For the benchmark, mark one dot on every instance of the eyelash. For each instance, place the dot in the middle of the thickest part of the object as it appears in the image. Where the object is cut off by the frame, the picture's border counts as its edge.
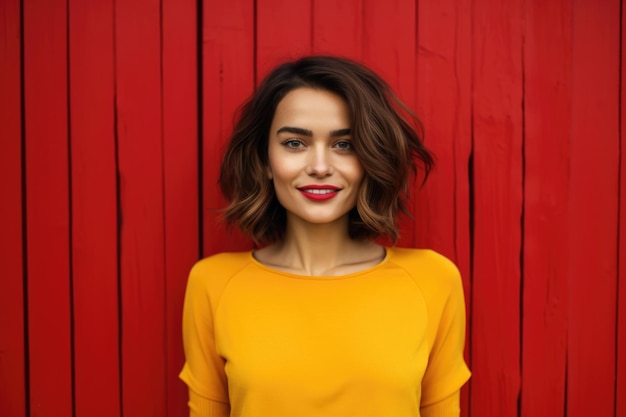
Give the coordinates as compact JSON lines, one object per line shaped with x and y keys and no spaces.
{"x":290,"y":144}
{"x":350,"y":147}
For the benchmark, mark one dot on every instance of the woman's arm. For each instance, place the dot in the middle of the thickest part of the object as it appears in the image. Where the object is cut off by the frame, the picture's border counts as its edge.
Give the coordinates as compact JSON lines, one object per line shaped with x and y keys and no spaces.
{"x":204,"y":368}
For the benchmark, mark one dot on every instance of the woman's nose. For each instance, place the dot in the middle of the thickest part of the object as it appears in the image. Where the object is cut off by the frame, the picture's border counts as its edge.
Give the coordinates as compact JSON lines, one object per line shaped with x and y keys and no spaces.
{"x":320,"y":164}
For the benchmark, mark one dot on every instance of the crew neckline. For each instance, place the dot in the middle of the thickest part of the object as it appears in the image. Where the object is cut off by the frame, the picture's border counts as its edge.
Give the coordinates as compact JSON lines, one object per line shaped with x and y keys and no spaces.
{"x":365,"y":271}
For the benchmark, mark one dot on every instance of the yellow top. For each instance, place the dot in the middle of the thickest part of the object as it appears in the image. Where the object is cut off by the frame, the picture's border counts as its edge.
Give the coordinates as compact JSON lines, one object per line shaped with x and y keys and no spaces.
{"x":386,"y":341}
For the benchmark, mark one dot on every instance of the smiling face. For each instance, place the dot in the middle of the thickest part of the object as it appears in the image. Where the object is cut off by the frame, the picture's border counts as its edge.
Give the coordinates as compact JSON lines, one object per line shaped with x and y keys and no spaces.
{"x":312,"y":163}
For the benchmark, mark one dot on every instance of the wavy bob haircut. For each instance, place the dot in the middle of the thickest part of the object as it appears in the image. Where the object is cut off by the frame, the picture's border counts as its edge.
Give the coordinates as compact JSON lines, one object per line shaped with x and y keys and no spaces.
{"x":389,"y":148}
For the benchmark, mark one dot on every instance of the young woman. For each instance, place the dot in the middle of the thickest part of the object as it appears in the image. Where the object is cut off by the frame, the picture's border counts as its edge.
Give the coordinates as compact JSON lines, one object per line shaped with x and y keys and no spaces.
{"x":321,"y":320}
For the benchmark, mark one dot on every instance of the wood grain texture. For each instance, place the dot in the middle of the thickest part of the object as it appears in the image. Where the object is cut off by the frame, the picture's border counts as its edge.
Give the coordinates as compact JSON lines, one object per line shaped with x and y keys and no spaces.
{"x":497,"y":210}
{"x":443,"y":77}
{"x":12,"y":358}
{"x":108,"y":185}
{"x":283,"y":32}
{"x":94,"y":209}
{"x":437,"y":98}
{"x":593,"y":209}
{"x":180,"y":165}
{"x":620,"y":386}
{"x":47,"y":208}
{"x":547,"y":117}
{"x":389,"y":50}
{"x":140,"y":170}
{"x":227,"y":80}
{"x":337,"y":28}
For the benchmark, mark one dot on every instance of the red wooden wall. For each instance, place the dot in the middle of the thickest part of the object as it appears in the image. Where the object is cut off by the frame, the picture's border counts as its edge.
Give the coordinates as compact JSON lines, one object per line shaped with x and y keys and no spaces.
{"x":112,"y":118}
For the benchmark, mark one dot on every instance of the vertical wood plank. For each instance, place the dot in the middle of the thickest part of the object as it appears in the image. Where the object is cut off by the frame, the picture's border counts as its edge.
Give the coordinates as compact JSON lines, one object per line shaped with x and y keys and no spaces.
{"x":140,"y":156}
{"x":620,"y":393}
{"x":283,"y":32}
{"x":228,"y":79}
{"x":389,"y":44}
{"x":47,"y":210}
{"x":180,"y":133}
{"x":389,"y":49}
{"x":444,"y":106}
{"x":497,"y":191}
{"x":337,"y":28}
{"x":12,"y":365}
{"x":547,"y":69}
{"x":593,"y":208}
{"x":442,"y":85}
{"x":94,"y":209}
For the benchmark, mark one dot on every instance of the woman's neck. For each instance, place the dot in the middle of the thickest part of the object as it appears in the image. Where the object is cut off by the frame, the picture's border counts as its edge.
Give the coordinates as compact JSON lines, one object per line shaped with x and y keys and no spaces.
{"x":320,"y":249}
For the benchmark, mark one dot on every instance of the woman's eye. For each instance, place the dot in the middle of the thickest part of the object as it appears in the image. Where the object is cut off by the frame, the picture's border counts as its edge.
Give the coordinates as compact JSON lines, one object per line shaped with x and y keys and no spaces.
{"x":344,"y":145}
{"x":293,"y":144}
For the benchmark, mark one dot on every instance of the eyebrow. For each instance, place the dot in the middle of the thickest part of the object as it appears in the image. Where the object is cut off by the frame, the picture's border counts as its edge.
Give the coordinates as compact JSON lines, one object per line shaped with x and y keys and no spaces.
{"x":307,"y":132}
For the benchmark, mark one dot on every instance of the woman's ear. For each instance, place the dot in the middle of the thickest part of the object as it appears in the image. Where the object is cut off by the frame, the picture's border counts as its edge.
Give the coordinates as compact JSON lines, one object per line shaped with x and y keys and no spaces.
{"x":268,"y":170}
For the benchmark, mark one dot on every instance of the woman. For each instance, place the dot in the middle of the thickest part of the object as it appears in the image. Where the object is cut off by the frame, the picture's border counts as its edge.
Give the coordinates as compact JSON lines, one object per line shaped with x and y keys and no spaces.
{"x":322,"y":320}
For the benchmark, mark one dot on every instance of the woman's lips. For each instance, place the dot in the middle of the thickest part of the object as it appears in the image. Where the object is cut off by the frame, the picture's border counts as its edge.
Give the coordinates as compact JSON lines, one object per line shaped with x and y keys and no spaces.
{"x":319,"y":192}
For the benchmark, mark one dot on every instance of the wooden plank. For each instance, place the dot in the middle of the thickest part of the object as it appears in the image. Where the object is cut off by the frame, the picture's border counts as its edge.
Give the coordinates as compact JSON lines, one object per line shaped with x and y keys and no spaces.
{"x":444,"y":106}
{"x":140,"y":170}
{"x":389,"y":44}
{"x":181,"y":147}
{"x":547,"y":116}
{"x":94,"y":209}
{"x":337,"y":28}
{"x":389,"y":49}
{"x":283,"y":32}
{"x":593,"y":208}
{"x":47,"y":208}
{"x":497,"y":192}
{"x":443,"y":86}
{"x":12,"y":365}
{"x":620,"y":393}
{"x":228,"y":79}
{"x":462,"y":153}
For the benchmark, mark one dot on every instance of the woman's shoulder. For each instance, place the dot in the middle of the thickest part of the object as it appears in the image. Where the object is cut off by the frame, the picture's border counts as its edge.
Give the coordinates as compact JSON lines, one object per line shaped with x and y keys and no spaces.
{"x":218,"y":269}
{"x":223,"y":261}
{"x":426,"y":266}
{"x":422,"y":258}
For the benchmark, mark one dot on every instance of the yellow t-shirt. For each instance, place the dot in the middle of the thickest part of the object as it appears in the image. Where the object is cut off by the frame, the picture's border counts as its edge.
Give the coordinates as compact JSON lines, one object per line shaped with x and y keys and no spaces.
{"x":383,"y":342}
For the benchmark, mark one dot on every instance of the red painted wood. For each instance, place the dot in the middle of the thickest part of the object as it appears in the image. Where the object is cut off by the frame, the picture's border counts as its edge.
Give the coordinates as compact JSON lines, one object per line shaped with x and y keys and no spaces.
{"x":12,"y":367}
{"x":228,"y":79}
{"x":438,"y":93}
{"x":593,"y":209}
{"x":548,"y":85}
{"x":389,"y":49}
{"x":94,"y":209}
{"x":462,"y":134}
{"x":497,"y":188}
{"x":572,"y":166}
{"x":47,"y":208}
{"x":620,"y":393}
{"x":337,"y":28}
{"x":283,"y":32}
{"x":180,"y":144}
{"x":443,"y":105}
{"x":140,"y":156}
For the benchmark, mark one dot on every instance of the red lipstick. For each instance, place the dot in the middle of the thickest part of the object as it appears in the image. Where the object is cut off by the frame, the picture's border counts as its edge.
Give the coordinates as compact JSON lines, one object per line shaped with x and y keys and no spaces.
{"x":317,"y":192}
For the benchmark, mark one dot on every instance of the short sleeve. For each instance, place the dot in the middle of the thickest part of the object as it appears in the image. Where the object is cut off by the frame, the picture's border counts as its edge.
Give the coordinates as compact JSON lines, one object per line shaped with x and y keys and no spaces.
{"x":446,"y":371}
{"x":203,"y":371}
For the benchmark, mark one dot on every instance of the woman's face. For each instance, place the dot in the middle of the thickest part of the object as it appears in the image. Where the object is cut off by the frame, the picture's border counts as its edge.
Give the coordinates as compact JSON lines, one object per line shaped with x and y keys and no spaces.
{"x":312,"y":163}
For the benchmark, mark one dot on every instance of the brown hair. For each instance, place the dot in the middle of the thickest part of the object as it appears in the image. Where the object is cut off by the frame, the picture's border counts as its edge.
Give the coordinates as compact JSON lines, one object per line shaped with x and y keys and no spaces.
{"x":388,"y":147}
